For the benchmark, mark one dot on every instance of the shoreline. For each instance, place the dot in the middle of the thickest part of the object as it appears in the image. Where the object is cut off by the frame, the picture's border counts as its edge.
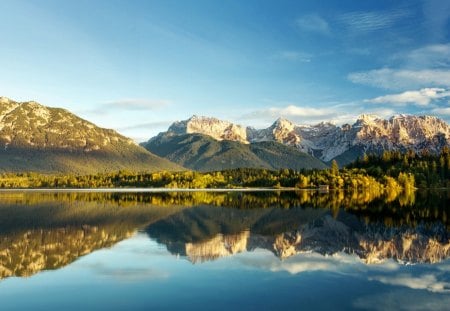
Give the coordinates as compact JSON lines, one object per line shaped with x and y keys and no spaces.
{"x":155,"y":190}
{"x":161,"y":190}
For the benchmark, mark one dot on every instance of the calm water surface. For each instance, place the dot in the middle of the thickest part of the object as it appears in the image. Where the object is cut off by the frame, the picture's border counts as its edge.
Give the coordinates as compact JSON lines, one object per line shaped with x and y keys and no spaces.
{"x":213,"y":251}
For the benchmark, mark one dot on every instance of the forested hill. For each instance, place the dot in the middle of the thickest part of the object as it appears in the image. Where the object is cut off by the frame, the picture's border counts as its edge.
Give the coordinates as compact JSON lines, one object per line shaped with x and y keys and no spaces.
{"x":204,"y":153}
{"x":429,"y":170}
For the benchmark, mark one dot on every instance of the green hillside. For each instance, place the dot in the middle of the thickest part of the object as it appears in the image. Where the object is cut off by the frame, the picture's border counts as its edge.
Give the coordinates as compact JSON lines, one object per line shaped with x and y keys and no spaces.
{"x":203,"y":153}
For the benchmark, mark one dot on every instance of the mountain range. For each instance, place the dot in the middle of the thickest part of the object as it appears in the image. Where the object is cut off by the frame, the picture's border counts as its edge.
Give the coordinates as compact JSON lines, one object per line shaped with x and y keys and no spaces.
{"x":37,"y":138}
{"x":324,"y":141}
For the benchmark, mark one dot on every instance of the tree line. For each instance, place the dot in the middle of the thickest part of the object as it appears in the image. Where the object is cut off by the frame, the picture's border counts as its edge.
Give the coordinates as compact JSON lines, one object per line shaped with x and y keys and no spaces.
{"x":355,"y":178}
{"x":429,"y":170}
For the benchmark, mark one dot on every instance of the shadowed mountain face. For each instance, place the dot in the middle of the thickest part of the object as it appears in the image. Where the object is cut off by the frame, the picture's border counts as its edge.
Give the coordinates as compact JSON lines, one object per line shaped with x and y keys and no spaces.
{"x":34,"y":137}
{"x":203,"y":153}
{"x":49,"y":230}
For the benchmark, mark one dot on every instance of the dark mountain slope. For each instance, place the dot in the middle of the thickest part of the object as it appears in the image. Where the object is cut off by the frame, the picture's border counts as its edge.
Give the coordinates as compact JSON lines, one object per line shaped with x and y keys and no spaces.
{"x":203,"y":153}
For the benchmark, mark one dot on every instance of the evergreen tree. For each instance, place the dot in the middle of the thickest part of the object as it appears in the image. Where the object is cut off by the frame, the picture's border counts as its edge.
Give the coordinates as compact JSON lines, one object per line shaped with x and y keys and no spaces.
{"x":334,"y":168}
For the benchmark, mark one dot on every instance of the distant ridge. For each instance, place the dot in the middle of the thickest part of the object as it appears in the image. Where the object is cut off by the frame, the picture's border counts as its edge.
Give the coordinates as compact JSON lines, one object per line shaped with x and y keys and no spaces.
{"x":37,"y":138}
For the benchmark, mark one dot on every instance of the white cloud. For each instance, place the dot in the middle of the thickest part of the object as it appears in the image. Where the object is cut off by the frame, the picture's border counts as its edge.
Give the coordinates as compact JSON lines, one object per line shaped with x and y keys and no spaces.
{"x":427,"y":282}
{"x":338,"y":114}
{"x":382,"y":112}
{"x":340,"y":263}
{"x":313,"y":23}
{"x":421,"y":97}
{"x":136,"y":104}
{"x":297,"y":111}
{"x":388,"y":78}
{"x":371,"y":21}
{"x":315,"y":262}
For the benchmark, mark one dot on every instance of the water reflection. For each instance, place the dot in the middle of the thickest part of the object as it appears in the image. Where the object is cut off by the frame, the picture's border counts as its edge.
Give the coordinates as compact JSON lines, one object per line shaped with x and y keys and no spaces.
{"x":42,"y":231}
{"x":203,"y":234}
{"x":46,"y":230}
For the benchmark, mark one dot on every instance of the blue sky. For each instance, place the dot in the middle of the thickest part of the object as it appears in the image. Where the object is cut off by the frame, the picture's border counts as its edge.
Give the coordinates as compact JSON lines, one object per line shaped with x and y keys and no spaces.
{"x":137,"y":66}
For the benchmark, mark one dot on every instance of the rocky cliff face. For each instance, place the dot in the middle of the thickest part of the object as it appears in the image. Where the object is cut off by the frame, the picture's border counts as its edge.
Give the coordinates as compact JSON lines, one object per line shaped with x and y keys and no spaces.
{"x":327,"y":141}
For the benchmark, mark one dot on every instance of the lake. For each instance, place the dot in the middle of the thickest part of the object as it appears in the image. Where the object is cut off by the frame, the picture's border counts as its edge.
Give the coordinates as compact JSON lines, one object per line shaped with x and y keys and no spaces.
{"x":269,"y":250}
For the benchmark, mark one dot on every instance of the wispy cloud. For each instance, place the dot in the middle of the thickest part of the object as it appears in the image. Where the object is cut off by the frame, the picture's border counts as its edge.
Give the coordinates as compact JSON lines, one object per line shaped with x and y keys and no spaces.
{"x":445,"y":111}
{"x":129,"y":274}
{"x":294,"y":56}
{"x":291,"y":112}
{"x":421,"y":97}
{"x":130,"y":105}
{"x":359,"y":51}
{"x":146,"y":126}
{"x":371,"y":21}
{"x":437,"y":15}
{"x":136,"y":104}
{"x":424,"y":67}
{"x":313,"y":23}
{"x":403,"y":300}
{"x":430,"y":56}
{"x":395,"y":79}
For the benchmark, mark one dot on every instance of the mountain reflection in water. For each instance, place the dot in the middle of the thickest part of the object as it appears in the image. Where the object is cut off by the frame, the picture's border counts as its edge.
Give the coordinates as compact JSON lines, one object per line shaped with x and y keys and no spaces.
{"x":48,"y":230}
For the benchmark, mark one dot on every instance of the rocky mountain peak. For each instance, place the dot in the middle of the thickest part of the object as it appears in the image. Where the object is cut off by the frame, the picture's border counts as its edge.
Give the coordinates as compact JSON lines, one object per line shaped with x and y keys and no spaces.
{"x":283,"y":131}
{"x":217,"y":129}
{"x":282,"y":122}
{"x":367,"y":118}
